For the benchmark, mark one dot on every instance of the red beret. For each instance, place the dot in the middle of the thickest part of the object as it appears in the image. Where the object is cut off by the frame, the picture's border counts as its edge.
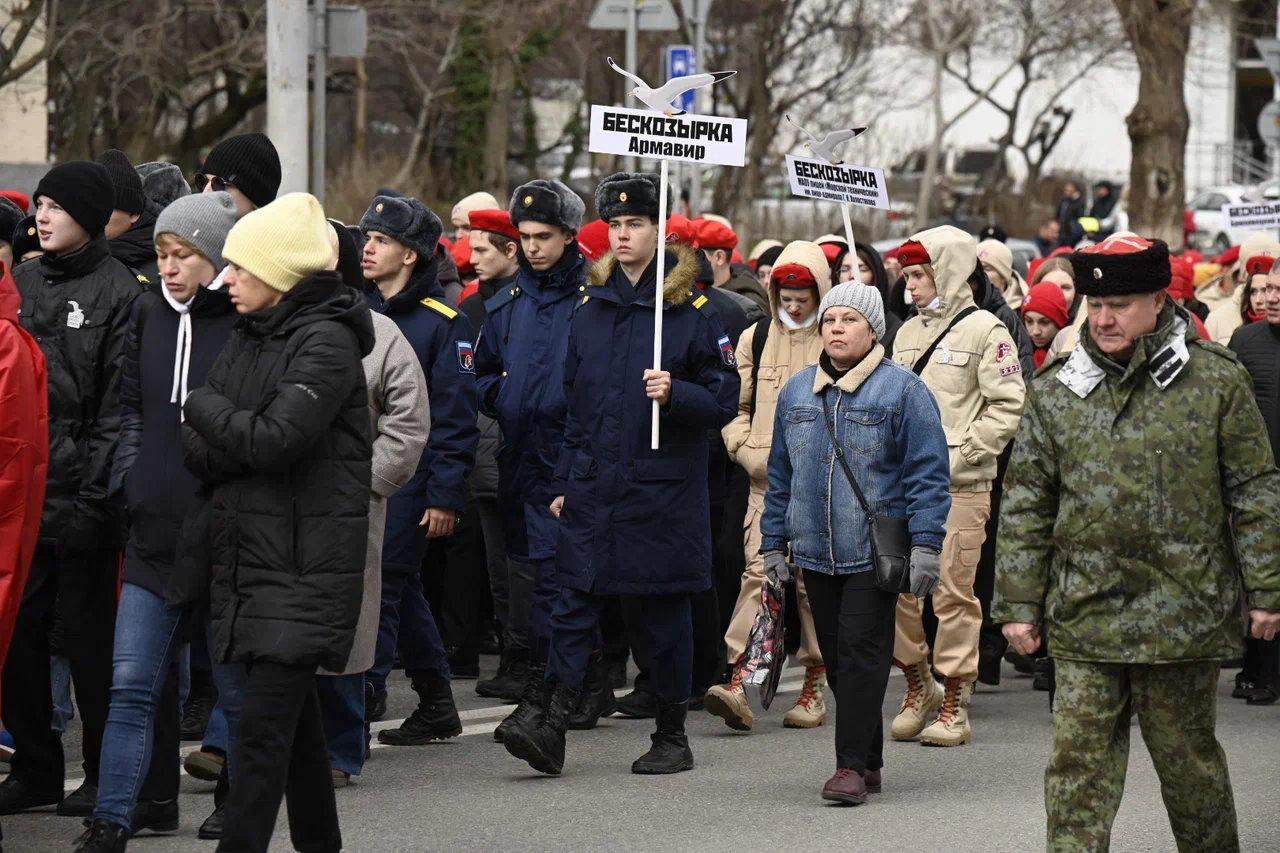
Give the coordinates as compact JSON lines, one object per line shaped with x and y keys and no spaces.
{"x":714,"y":235}
{"x":497,"y":221}
{"x":1061,"y":250}
{"x":736,"y":257}
{"x":893,"y":253}
{"x":1182,"y":278}
{"x":1229,"y":257}
{"x":1191,"y":256}
{"x":1260,"y":265}
{"x":593,"y":239}
{"x":680,"y":230}
{"x":831,"y":251}
{"x":911,"y":253}
{"x":446,"y":243}
{"x":793,"y":275}
{"x":461,"y":253}
{"x":22,"y":200}
{"x":1047,"y":298}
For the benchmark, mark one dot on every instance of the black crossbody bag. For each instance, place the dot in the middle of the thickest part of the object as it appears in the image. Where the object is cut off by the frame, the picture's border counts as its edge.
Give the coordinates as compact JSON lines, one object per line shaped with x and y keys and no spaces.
{"x":890,"y":537}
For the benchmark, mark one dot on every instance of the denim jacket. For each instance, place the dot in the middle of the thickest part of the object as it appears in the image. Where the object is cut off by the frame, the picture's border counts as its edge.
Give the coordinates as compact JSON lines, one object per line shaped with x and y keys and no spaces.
{"x":889,"y":425}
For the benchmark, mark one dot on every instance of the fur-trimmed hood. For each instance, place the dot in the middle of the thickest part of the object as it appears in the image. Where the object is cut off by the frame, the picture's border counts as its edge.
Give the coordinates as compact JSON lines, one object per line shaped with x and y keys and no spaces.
{"x":680,"y":275}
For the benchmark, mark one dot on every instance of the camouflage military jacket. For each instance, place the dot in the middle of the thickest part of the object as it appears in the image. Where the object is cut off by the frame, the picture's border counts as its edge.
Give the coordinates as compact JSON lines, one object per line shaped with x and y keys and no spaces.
{"x":1119,"y":504}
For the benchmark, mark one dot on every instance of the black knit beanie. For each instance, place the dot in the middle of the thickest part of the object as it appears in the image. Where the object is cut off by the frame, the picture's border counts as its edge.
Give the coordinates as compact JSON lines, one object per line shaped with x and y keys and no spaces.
{"x":84,"y":190}
{"x":124,"y":178}
{"x":250,"y":162}
{"x":348,"y":257}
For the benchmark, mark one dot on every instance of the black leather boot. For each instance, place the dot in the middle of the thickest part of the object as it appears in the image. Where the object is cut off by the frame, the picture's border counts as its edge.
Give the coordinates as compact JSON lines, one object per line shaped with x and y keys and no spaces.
{"x":597,"y":699}
{"x":543,"y":745}
{"x":670,"y":752}
{"x":533,"y":703}
{"x":103,"y":836}
{"x":508,"y":683}
{"x":436,"y":717}
{"x":155,"y":815}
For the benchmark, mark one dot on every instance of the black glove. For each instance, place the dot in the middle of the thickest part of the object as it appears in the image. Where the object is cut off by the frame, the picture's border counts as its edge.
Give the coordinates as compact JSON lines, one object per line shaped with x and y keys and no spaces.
{"x":776,"y":569}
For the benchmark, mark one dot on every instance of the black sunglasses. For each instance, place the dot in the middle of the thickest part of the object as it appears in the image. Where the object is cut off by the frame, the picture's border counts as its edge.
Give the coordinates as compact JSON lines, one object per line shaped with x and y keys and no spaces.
{"x":219,"y":185}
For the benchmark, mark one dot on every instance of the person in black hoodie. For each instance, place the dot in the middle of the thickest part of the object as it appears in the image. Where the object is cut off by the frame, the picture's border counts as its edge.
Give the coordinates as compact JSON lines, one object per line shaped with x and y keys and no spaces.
{"x":281,"y":433}
{"x":75,"y":302}
{"x":158,"y":492}
{"x":130,"y":231}
{"x":1257,"y":345}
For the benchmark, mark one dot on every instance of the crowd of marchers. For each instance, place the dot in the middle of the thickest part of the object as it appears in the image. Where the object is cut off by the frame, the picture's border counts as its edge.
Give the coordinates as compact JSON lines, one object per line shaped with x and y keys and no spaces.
{"x":253,"y":459}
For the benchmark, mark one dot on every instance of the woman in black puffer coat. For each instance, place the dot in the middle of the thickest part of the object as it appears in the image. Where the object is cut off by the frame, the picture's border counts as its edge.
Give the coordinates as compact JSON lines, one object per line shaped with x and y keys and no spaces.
{"x":281,"y":431}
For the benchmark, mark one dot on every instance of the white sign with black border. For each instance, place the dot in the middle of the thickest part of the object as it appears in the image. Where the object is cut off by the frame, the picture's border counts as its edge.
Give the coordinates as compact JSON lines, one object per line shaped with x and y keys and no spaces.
{"x":646,"y":133}
{"x":860,"y":185}
{"x":1250,"y":216}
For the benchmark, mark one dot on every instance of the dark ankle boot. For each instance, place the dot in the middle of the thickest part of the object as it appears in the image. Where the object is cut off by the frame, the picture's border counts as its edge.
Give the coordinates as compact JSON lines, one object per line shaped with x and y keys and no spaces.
{"x":597,"y":699}
{"x":103,"y":836}
{"x":436,"y":717}
{"x":543,"y":745}
{"x":508,"y":683}
{"x":670,"y":752}
{"x":533,"y":703}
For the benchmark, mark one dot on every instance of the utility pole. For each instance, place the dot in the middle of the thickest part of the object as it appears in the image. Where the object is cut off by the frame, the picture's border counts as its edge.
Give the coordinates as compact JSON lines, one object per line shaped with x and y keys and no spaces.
{"x":319,"y":93}
{"x":633,"y":25}
{"x":700,"y":9}
{"x":287,"y":45}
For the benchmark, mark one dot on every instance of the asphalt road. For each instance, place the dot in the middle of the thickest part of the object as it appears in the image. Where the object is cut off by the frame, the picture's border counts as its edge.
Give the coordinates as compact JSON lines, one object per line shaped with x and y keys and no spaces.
{"x":750,"y":791}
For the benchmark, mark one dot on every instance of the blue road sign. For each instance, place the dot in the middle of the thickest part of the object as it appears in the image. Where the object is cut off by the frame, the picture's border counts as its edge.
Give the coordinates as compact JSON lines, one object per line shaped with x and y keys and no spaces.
{"x":681,"y":62}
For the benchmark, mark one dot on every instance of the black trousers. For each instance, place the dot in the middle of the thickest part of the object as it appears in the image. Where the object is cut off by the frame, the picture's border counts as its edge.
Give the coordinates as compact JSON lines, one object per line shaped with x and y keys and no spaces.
{"x":87,"y":587}
{"x":283,"y":755}
{"x":708,"y":640}
{"x":854,"y":622}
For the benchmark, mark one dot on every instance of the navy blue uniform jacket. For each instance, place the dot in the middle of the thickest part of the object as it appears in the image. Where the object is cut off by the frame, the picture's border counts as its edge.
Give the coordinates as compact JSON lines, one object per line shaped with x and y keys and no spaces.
{"x":441,"y":336}
{"x":520,"y":372}
{"x":636,"y":520}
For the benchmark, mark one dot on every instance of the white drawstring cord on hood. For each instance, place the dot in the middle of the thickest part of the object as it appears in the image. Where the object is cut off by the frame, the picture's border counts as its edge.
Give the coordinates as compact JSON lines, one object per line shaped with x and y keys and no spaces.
{"x":182,"y":351}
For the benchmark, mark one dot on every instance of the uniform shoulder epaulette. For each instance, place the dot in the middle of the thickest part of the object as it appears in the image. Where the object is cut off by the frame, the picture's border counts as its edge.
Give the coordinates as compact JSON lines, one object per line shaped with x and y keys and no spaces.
{"x":502,"y":297}
{"x":440,"y":308}
{"x":1217,"y":349}
{"x":704,"y":306}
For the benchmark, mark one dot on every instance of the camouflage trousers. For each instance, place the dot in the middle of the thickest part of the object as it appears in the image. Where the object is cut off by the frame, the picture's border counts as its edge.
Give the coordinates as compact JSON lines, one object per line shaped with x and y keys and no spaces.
{"x":1177,"y":712}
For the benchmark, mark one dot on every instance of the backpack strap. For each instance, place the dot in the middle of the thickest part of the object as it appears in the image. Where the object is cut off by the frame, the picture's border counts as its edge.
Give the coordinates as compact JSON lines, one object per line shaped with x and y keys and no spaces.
{"x":758,"y":341}
{"x":923,"y":361}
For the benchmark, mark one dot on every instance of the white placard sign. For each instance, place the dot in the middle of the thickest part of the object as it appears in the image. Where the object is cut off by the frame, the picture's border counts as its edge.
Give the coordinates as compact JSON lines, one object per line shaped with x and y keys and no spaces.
{"x":1250,"y":215}
{"x":860,"y":185}
{"x":646,"y":133}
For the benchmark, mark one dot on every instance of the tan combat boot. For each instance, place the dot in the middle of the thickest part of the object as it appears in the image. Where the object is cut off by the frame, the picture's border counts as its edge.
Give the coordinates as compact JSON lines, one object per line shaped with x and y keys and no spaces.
{"x":923,"y":698}
{"x":810,"y":711}
{"x":952,"y":726}
{"x":729,"y":702}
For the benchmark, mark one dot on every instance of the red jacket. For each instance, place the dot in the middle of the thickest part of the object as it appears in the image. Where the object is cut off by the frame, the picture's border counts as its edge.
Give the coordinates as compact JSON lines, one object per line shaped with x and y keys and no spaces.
{"x":24,"y":454}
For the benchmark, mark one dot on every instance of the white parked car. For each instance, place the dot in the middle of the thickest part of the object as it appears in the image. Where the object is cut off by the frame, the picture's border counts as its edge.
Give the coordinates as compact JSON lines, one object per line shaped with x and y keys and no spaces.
{"x":1212,"y":235}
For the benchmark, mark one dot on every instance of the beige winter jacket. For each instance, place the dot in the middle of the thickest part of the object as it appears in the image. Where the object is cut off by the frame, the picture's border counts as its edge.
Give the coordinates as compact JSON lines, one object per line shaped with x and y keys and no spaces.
{"x":401,"y":417}
{"x":786,"y":353}
{"x":974,"y":372}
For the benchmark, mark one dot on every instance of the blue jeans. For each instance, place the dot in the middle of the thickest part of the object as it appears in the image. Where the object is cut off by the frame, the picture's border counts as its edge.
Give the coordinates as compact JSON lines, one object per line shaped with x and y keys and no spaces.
{"x":406,"y":616}
{"x":342,"y":712}
{"x":144,"y":647}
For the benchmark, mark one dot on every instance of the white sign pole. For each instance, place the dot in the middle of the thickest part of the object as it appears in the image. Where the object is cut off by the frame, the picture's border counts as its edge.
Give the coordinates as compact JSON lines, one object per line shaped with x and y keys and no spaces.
{"x":659,"y":289}
{"x":848,"y":232}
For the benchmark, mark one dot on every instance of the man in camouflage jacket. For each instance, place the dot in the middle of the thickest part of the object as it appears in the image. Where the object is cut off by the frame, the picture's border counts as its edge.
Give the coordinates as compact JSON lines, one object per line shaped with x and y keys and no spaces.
{"x":1117,"y":541}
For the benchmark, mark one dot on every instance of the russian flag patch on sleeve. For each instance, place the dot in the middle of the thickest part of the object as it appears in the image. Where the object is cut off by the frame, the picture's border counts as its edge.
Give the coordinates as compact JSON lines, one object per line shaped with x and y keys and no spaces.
{"x":466,"y":358}
{"x":726,"y":352}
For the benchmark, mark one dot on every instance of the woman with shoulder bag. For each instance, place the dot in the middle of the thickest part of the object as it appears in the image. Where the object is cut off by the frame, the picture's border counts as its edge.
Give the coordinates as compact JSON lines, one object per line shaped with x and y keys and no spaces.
{"x":858,"y":479}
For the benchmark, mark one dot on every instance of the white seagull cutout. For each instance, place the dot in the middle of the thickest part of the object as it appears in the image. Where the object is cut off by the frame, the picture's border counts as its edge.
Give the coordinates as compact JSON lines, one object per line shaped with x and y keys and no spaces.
{"x":662,"y":99}
{"x":825,"y":148}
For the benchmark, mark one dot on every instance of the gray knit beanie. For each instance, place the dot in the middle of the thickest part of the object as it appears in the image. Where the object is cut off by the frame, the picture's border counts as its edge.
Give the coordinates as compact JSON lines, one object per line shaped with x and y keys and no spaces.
{"x":862,"y":298}
{"x":162,"y":184}
{"x":203,"y":220}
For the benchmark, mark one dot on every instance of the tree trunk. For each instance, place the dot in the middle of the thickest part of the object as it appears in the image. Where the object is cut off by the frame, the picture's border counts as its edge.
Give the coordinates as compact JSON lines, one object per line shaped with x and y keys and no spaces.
{"x":761,"y":127}
{"x":361,"y":143}
{"x":502,"y":89}
{"x":1159,"y":32}
{"x":925,"y":196}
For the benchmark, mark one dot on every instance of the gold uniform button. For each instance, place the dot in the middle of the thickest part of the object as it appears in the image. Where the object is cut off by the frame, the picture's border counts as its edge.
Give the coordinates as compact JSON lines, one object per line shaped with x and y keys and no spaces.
{"x":622,"y":196}
{"x":528,"y":200}
{"x":582,"y":288}
{"x":504,"y":373}
{"x":31,"y":232}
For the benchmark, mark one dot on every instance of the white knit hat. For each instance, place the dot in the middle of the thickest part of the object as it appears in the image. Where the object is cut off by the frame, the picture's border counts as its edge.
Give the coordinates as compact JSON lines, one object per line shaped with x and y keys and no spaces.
{"x":861,"y":298}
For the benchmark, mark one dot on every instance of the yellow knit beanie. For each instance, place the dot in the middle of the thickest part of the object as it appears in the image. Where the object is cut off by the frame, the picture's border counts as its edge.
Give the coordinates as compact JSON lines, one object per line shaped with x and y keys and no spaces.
{"x":282,"y":243}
